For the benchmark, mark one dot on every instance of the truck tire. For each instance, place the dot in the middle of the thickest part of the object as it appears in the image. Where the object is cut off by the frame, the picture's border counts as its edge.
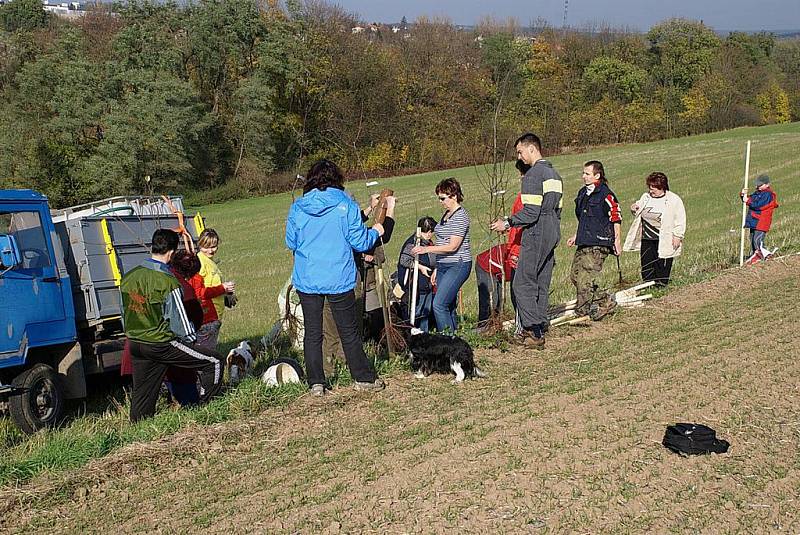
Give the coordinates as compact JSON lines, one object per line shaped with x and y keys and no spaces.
{"x":41,"y":403}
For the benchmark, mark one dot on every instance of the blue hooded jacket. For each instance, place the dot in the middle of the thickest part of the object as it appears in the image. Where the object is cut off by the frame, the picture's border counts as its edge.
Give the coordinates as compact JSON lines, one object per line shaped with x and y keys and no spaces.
{"x":322,"y":230}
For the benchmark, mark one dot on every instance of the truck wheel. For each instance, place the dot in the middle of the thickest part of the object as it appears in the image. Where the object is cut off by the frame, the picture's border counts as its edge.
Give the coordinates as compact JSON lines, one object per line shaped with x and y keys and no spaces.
{"x":41,"y":404}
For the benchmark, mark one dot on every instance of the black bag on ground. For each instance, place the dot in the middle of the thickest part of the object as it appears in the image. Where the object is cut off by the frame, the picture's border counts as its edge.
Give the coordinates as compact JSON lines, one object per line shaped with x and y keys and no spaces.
{"x":693,"y":439}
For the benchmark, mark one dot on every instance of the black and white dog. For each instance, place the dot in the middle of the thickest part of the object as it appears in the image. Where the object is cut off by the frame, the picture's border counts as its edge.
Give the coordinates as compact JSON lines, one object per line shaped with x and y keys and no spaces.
{"x":438,"y":353}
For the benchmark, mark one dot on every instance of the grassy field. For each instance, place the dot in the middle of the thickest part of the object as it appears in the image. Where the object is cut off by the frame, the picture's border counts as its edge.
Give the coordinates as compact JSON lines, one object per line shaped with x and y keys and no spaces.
{"x":706,"y":171}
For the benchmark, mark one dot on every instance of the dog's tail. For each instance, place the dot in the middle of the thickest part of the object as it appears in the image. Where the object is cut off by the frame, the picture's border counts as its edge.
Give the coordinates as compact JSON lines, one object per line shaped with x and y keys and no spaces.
{"x":480,"y":373}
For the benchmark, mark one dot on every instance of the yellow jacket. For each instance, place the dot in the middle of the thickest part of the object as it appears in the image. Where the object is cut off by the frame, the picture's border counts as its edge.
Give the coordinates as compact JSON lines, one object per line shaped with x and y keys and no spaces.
{"x":212,"y":276}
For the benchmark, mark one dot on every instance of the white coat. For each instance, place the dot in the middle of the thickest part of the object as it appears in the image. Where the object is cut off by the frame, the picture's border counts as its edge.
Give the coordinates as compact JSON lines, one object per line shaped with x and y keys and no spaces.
{"x":673,"y":224}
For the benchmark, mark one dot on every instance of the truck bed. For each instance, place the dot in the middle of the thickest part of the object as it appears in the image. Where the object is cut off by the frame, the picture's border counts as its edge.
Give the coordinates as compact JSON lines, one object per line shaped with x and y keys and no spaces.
{"x":103,"y":241}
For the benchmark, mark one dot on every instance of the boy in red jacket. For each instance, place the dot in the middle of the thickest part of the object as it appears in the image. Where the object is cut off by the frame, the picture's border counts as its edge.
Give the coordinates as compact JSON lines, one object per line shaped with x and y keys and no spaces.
{"x":761,"y":203}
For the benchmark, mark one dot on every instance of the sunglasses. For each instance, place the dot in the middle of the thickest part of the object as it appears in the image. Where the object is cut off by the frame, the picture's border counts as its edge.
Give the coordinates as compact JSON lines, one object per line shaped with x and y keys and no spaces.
{"x":442,"y":197}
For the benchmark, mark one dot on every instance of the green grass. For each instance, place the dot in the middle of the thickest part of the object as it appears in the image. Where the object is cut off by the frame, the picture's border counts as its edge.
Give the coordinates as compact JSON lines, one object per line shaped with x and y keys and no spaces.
{"x":706,"y":171}
{"x":91,"y":437}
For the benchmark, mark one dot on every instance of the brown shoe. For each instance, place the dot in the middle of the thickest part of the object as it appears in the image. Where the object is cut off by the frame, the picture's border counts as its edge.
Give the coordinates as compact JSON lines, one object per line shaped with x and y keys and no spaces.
{"x":601,"y":311}
{"x":526,"y":339}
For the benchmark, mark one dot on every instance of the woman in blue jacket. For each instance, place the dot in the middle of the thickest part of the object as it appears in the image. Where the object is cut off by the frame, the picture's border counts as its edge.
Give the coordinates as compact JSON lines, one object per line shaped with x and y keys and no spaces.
{"x":323,"y":229}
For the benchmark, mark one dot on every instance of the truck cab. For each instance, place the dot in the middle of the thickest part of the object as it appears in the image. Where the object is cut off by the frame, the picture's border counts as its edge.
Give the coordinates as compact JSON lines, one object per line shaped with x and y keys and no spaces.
{"x":34,"y":286}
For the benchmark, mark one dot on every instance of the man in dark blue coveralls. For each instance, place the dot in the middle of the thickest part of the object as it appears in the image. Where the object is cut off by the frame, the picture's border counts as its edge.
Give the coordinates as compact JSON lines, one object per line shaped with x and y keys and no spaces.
{"x":540,"y":219}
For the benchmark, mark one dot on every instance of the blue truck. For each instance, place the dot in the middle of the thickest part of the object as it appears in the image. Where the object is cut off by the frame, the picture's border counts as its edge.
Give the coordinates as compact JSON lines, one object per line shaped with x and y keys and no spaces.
{"x":60,"y":307}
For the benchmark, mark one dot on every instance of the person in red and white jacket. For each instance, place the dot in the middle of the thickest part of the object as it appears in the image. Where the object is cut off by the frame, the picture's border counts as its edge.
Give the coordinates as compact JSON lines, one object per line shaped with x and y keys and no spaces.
{"x":488,"y":264}
{"x":761,"y":204}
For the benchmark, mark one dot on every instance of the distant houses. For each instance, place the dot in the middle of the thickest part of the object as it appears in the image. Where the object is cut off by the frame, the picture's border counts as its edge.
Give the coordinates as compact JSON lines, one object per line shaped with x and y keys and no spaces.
{"x":376,"y":29}
{"x":64,"y":9}
{"x":61,"y":9}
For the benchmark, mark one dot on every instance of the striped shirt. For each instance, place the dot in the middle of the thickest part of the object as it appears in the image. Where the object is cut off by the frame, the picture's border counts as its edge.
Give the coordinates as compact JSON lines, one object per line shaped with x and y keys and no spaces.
{"x":456,"y":225}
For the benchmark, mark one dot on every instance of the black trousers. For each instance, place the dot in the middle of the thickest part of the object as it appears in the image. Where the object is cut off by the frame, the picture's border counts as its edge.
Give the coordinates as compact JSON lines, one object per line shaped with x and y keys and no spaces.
{"x":150,"y":362}
{"x":345,"y":314}
{"x":654,"y":268}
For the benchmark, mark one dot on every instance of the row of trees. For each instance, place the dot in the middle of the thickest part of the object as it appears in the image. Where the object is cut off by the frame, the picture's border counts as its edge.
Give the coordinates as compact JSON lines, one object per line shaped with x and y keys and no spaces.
{"x":234,"y":94}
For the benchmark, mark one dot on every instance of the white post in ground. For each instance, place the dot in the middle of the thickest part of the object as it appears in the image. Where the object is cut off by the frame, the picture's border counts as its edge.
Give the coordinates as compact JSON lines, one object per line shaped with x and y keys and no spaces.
{"x":744,"y":205}
{"x":415,"y":280}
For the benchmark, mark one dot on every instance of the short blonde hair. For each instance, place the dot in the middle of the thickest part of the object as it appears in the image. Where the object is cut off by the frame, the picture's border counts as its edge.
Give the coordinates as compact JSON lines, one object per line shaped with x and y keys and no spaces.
{"x":208,"y":239}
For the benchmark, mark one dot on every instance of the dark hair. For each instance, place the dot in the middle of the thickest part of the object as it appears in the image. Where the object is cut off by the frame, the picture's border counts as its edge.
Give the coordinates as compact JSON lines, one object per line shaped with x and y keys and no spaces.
{"x":529,"y":139}
{"x":658,"y":180}
{"x":426,"y":224}
{"x":164,"y":241}
{"x":208,"y":239}
{"x":185,"y":263}
{"x":323,"y":174}
{"x":597,"y":167}
{"x":451,"y":187}
{"x":522,"y":167}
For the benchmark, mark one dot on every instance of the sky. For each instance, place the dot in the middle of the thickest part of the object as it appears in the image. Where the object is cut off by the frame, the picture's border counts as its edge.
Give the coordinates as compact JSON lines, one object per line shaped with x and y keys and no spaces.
{"x":745,"y":15}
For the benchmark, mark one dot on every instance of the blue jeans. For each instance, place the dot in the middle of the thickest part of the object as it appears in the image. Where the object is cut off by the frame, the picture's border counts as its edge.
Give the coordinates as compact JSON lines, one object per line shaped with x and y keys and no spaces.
{"x":424,"y":304}
{"x":757,"y":240}
{"x":184,"y":393}
{"x":449,"y":279}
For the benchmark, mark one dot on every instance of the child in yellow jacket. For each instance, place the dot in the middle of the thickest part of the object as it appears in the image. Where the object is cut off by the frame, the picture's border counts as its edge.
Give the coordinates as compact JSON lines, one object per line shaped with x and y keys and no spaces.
{"x":212,"y":297}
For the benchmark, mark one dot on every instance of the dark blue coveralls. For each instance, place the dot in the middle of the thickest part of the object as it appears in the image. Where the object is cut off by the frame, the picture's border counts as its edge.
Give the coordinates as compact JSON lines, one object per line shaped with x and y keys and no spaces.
{"x":540,"y":219}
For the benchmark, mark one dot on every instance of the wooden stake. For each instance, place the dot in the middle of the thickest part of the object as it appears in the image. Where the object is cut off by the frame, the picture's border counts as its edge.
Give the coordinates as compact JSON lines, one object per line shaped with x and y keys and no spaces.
{"x":380,"y":209}
{"x":380,"y":287}
{"x":415,"y":280}
{"x":626,"y":302}
{"x":744,"y":205}
{"x":642,"y":286}
{"x":582,"y":319}
{"x":563,"y":318}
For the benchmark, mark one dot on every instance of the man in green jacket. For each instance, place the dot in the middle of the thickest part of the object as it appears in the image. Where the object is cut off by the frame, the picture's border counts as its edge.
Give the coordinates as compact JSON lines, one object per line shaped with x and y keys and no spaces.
{"x":159,"y":330}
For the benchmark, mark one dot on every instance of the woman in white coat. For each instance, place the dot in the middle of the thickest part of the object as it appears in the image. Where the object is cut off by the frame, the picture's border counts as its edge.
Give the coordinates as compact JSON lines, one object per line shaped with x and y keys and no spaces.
{"x":657,"y":230}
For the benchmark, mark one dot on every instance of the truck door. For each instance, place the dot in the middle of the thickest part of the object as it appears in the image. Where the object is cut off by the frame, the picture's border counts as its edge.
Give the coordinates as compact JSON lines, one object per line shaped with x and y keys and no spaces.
{"x":32,"y":311}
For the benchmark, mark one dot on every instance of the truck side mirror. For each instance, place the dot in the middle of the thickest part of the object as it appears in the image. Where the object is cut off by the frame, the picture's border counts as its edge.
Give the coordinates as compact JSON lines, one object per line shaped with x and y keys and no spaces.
{"x":9,"y":252}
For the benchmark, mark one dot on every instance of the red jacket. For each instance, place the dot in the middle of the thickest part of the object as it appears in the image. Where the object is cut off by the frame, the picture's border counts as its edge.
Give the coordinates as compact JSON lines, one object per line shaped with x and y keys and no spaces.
{"x":761,"y":204}
{"x":205,"y":295}
{"x":491,"y":259}
{"x":514,"y":235}
{"x":506,"y":254}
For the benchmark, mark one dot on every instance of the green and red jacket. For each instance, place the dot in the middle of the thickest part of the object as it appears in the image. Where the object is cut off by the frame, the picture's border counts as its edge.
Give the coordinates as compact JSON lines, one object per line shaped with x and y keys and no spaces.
{"x":152,"y":304}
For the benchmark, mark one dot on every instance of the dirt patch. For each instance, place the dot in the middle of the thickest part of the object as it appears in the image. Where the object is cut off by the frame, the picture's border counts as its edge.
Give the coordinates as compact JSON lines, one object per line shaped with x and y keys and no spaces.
{"x":567,"y":439}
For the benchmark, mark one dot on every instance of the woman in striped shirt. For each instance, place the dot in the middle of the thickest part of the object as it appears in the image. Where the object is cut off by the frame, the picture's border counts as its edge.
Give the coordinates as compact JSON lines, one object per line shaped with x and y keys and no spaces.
{"x":453,"y":254}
